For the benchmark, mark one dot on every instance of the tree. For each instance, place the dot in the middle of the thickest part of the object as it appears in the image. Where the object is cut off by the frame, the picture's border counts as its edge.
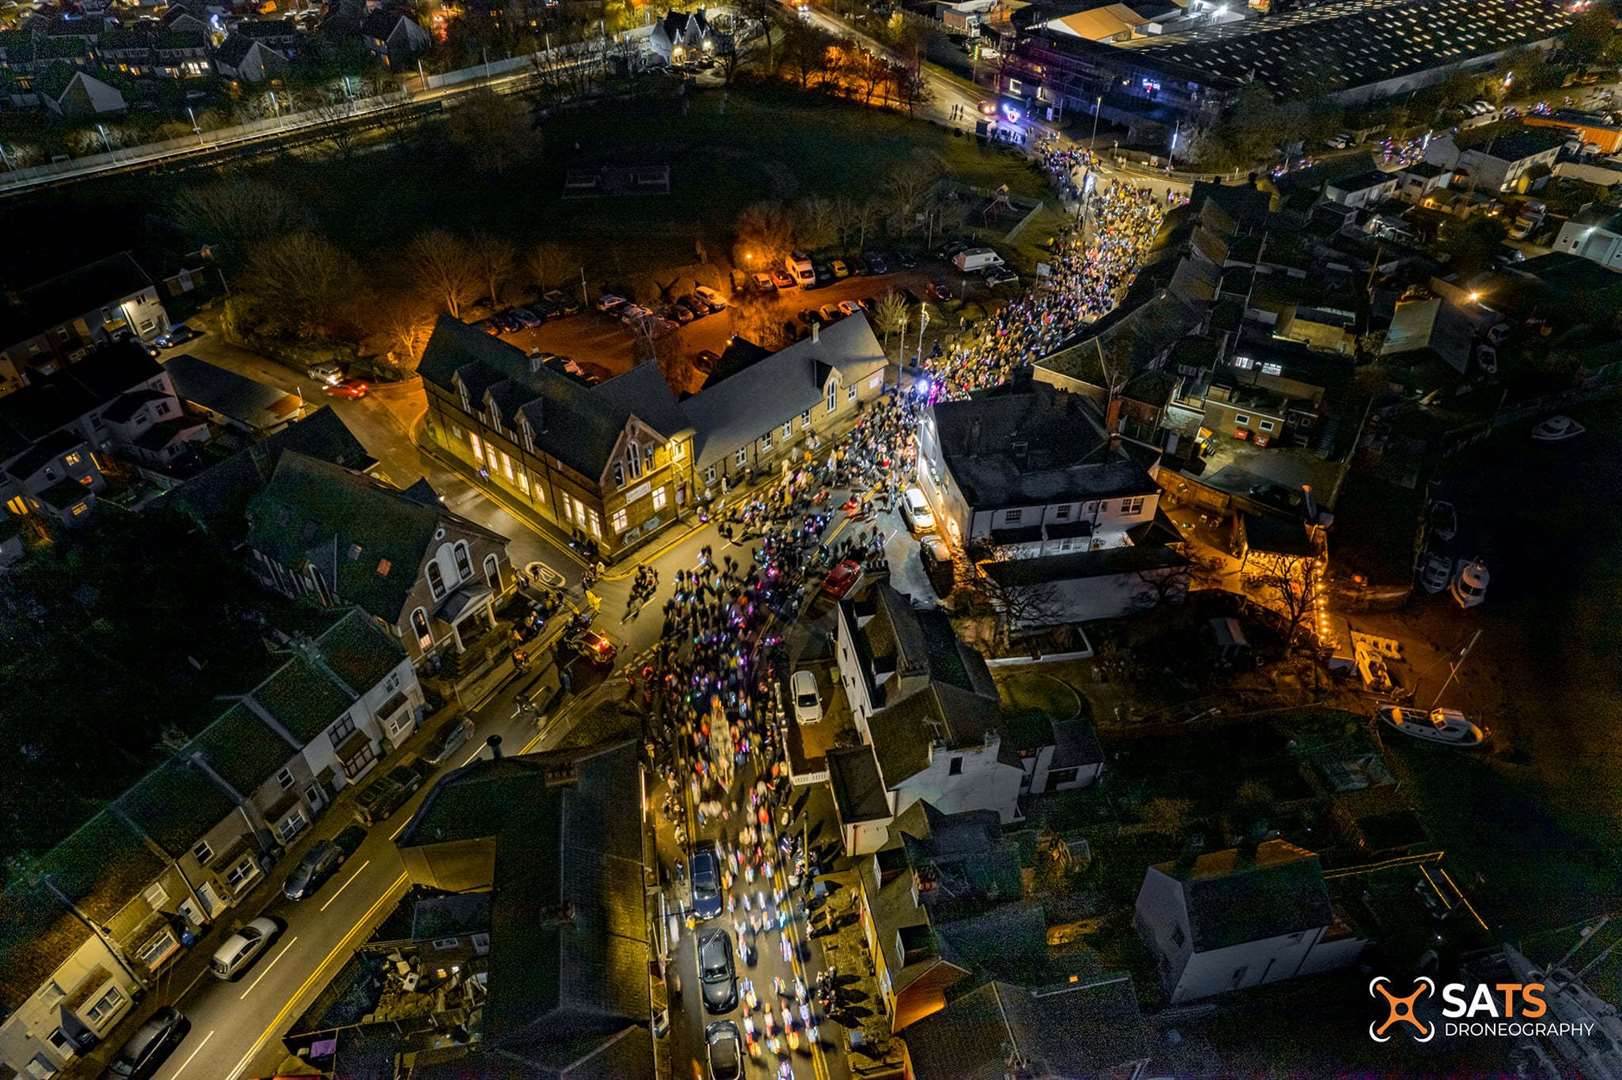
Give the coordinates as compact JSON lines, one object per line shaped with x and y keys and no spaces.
{"x":816,"y":222}
{"x":805,"y":52}
{"x":232,"y":214}
{"x":338,"y":132}
{"x":405,"y":320}
{"x":892,"y":315}
{"x":1592,"y":35}
{"x":1290,"y":587}
{"x":856,"y":216}
{"x":496,"y":131}
{"x":444,"y":268}
{"x":763,"y":235}
{"x":550,"y":263}
{"x":1167,"y":816}
{"x":1014,"y":603}
{"x":1160,"y":587}
{"x":495,"y":256}
{"x":304,"y":285}
{"x":909,"y":186}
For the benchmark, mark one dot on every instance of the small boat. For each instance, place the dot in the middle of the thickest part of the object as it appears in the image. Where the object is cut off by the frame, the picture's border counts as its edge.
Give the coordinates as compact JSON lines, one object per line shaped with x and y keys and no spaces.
{"x":1435,"y":573}
{"x":1376,"y":676}
{"x":1557,"y":429}
{"x":1469,"y":586}
{"x":1444,"y":520}
{"x":1449,"y":727}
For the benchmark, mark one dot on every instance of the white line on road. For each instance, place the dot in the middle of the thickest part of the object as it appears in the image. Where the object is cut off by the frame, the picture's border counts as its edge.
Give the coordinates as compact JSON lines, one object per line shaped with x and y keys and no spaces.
{"x":285,"y":949}
{"x":346,"y":884}
{"x":464,"y":765}
{"x":184,"y":1064}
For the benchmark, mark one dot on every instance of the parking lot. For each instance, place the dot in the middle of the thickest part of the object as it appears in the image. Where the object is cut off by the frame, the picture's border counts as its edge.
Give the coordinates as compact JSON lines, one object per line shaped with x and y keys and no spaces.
{"x":603,"y":347}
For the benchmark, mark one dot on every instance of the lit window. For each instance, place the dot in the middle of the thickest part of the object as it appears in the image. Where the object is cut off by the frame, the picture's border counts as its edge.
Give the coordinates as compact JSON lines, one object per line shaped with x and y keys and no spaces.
{"x":596,"y":524}
{"x":436,"y":579}
{"x":742,"y":456}
{"x":507,"y":465}
{"x":1244,"y":363}
{"x":1272,"y":369}
{"x":478,"y":447}
{"x":659,"y":498}
{"x":620,"y":520}
{"x":419,"y":626}
{"x":73,"y":458}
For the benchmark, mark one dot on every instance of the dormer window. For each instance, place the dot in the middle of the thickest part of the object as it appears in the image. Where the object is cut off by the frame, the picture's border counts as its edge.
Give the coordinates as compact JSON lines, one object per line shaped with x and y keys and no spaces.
{"x":461,"y":389}
{"x":633,"y":459}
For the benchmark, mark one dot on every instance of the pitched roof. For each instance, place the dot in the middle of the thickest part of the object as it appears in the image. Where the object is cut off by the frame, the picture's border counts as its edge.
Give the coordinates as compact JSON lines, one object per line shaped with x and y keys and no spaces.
{"x":1070,"y":1031}
{"x":359,"y":651}
{"x":37,"y":936}
{"x":1097,"y":24}
{"x":904,"y":733}
{"x":302,"y":698}
{"x":858,"y":790}
{"x":1065,"y":455}
{"x":773,"y":390}
{"x":56,"y":300}
{"x":217,"y":498}
{"x":1233,"y":898}
{"x":577,"y":424}
{"x":249,"y":402}
{"x":176,"y":805}
{"x":242,"y":749}
{"x":367,"y":539}
{"x":103,"y":866}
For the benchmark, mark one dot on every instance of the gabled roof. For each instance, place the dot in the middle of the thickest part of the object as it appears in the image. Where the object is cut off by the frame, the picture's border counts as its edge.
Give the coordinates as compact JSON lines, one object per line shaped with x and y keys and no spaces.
{"x":1233,"y":898}
{"x":903,"y":733}
{"x":37,"y":936}
{"x":367,"y":539}
{"x":577,"y":424}
{"x":242,"y":749}
{"x":250,"y":402}
{"x":1072,"y":1031}
{"x":359,"y":651}
{"x":56,"y":300}
{"x":176,"y":805}
{"x":303,"y":698}
{"x":103,"y":866}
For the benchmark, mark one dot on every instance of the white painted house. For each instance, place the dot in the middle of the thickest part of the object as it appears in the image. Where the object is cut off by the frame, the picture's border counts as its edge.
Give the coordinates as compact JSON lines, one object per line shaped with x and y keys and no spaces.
{"x":1595,"y":234}
{"x":1232,"y":919}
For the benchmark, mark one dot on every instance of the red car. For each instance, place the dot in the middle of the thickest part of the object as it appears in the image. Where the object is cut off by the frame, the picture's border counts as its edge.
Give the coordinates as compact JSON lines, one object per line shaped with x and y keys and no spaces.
{"x":842,"y":579}
{"x":349,"y":388}
{"x":596,"y":648}
{"x":938,"y":293}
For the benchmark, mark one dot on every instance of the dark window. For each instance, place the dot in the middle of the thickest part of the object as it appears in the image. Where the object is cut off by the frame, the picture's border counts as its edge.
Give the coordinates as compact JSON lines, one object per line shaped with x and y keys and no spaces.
{"x":955,"y":768}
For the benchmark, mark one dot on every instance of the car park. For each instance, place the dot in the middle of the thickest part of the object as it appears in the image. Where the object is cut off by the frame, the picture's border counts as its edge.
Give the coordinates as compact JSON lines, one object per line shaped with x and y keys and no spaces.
{"x":824,"y":273}
{"x":144,"y":1052}
{"x":849,"y":307}
{"x":242,"y":948}
{"x":877,"y":264}
{"x":630,"y":314}
{"x":842,"y":578}
{"x":724,"y":1047}
{"x":716,"y":301}
{"x":676,"y":314}
{"x":564,"y":302}
{"x":312,"y":871}
{"x":697,"y":305}
{"x":705,"y":883}
{"x":807,"y":702}
{"x":718,"y":977}
{"x":915,"y":511}
{"x":830,"y":314}
{"x":451,"y":738}
{"x":782,"y":279}
{"x":528,"y":318}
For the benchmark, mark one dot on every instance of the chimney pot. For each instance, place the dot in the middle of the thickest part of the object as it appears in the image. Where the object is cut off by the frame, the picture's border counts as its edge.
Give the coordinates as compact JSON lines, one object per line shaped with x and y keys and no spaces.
{"x":494,"y":743}
{"x":816,"y":328}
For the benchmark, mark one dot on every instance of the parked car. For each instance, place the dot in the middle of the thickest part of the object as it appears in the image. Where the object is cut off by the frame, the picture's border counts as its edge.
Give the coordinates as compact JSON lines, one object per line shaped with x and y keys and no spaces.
{"x":1001,"y":276}
{"x":715,"y":971}
{"x":697,"y":305}
{"x":811,"y":317}
{"x":565,"y":302}
{"x":705,"y":883}
{"x":782,"y":280}
{"x":676,"y":314}
{"x":528,"y":318}
{"x":906,"y":260}
{"x":830,"y":314}
{"x":509,"y":321}
{"x":842,"y":578}
{"x":938,"y":292}
{"x":859,"y":266}
{"x":151,"y":1045}
{"x":706,"y":361}
{"x":242,"y":948}
{"x":326,"y":371}
{"x":824,"y":273}
{"x":312,"y":871}
{"x":352,"y":389}
{"x":763,"y":282}
{"x":915,"y":511}
{"x":350,"y":839}
{"x":631,"y":314}
{"x":178,"y":334}
{"x":488,"y":326}
{"x":877,"y":264}
{"x":839,"y":269}
{"x":870,"y":304}
{"x":725,"y":1049}
{"x":807,"y":702}
{"x":379,"y":799}
{"x":849,"y":307}
{"x":451,"y":738}
{"x":716,"y":301}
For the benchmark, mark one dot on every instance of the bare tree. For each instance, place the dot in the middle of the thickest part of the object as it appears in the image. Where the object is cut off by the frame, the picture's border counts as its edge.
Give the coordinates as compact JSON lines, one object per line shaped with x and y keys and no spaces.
{"x":231,"y":214}
{"x":816,"y":222}
{"x":764,"y":233}
{"x":496,"y":257}
{"x":1160,"y":586}
{"x":1290,"y":587}
{"x":338,"y":132}
{"x":805,"y":52}
{"x":856,"y":217}
{"x":303,"y":285}
{"x":444,"y":267}
{"x":1013,"y":602}
{"x":405,"y":320}
{"x":892,"y":315}
{"x":549,"y":263}
{"x":496,"y":131}
{"x":909,"y":186}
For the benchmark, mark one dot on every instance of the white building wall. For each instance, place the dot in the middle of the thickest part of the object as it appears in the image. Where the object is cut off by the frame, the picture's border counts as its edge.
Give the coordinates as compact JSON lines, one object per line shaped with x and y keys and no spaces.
{"x":1591,"y":243}
{"x":1239,"y":966}
{"x":982,"y":783}
{"x":25,"y":1033}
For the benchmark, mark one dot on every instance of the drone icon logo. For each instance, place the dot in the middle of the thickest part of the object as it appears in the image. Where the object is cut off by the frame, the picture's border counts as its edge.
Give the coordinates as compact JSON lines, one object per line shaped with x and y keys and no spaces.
{"x":1401,"y":1009}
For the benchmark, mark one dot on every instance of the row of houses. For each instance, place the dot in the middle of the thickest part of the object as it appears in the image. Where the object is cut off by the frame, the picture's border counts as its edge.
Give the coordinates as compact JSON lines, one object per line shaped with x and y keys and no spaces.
{"x":95,"y":923}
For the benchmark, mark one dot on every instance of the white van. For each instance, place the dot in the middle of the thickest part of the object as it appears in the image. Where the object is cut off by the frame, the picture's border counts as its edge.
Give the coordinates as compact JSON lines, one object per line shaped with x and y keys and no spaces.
{"x":915,"y":510}
{"x":976,"y":259}
{"x":800,"y":269}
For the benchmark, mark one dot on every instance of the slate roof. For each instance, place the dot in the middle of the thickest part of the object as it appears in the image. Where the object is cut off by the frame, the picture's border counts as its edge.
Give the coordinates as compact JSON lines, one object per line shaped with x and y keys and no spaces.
{"x":577,"y":424}
{"x":359,"y":651}
{"x":50,"y":402}
{"x":1084,"y":564}
{"x":37,"y":936}
{"x":234,"y":50}
{"x":249,"y":402}
{"x":772,"y":391}
{"x":67,"y":296}
{"x":903,"y":733}
{"x":568,"y":946}
{"x":1067,"y":453}
{"x":217,"y":498}
{"x":1072,"y":1031}
{"x":103,"y":866}
{"x":303,"y":698}
{"x":176,"y":805}
{"x":348,"y":525}
{"x":858,"y":790}
{"x":911,"y":642}
{"x":1232,"y":898}
{"x":242,"y":749}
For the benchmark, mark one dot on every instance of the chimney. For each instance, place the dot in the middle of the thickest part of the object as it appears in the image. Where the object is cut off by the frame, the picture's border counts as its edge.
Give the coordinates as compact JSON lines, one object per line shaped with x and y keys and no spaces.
{"x":1114,"y":442}
{"x":816,"y":328}
{"x":494,"y":743}
{"x":1311,"y":504}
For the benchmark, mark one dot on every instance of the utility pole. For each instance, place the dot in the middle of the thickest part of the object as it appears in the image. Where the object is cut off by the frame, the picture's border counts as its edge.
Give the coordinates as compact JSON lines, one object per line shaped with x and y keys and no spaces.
{"x":584,"y":299}
{"x":1456,"y":665}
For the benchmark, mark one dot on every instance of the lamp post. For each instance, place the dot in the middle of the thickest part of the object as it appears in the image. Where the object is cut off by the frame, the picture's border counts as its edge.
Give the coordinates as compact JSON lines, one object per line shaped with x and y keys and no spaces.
{"x":1097,"y":102}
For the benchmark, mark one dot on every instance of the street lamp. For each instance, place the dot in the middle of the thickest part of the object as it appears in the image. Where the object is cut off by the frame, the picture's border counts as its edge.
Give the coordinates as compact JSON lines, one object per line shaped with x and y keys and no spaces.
{"x":1097,"y":101}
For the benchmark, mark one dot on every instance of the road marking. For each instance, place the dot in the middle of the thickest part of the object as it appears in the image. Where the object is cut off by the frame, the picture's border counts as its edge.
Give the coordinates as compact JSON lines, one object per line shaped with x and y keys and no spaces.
{"x":266,"y":970}
{"x":464,"y":765}
{"x":293,"y":1000}
{"x":346,"y":884}
{"x":184,"y":1064}
{"x":398,"y":831}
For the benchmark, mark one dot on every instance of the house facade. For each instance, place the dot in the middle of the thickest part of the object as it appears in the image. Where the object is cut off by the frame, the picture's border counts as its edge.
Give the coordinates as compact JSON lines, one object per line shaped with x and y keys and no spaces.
{"x":61,"y":319}
{"x":339,"y":538}
{"x":1595,"y":234}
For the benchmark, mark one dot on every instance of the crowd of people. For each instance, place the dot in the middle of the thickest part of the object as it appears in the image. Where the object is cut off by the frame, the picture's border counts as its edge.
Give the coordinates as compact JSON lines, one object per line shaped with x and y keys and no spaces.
{"x":709,"y":686}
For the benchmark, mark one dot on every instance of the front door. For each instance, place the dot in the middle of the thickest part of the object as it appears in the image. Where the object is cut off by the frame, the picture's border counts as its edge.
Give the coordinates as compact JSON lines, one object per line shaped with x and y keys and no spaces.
{"x":210,"y":899}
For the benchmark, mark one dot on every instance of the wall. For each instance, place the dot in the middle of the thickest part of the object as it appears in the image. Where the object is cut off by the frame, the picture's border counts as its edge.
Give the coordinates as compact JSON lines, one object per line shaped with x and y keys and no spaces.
{"x":25,"y":1032}
{"x":983,"y":784}
{"x":1158,"y":916}
{"x":462,"y":866}
{"x":1239,"y":966}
